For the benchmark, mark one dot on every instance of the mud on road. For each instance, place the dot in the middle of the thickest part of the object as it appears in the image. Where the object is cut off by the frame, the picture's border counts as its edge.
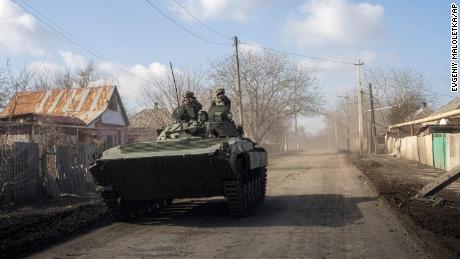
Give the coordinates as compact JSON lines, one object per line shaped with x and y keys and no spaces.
{"x":436,"y":220}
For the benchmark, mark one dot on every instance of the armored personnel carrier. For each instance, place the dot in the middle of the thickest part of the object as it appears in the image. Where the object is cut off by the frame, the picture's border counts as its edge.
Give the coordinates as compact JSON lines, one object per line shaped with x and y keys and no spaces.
{"x":190,"y":159}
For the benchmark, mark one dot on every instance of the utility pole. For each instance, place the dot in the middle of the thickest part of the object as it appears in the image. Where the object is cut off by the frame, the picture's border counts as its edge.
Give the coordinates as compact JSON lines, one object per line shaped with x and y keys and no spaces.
{"x":360,"y":108}
{"x":297,"y":145}
{"x":175,"y":86}
{"x":373,"y":129}
{"x":286,"y":148}
{"x":348,"y":122}
{"x":335,"y":132}
{"x":238,"y":81}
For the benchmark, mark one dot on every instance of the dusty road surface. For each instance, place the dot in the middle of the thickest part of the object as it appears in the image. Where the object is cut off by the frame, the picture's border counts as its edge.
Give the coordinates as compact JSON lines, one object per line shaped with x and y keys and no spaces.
{"x":318,"y":206}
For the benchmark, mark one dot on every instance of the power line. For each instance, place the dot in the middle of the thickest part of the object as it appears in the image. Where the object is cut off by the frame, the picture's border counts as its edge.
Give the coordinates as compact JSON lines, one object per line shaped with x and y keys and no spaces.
{"x":59,"y":27}
{"x":63,"y":33}
{"x":298,"y":55}
{"x":185,"y":29}
{"x":200,"y":22}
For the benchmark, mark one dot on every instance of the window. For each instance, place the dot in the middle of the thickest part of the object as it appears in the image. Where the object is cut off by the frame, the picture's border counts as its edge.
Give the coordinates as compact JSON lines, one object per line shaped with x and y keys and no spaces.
{"x":113,"y":106}
{"x":109,"y":141}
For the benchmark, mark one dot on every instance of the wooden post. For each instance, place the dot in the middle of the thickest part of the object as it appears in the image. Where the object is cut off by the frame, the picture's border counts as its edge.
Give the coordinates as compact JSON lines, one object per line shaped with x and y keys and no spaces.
{"x":440,"y":183}
{"x":348,"y":123}
{"x":373,"y":129}
{"x":238,"y":87}
{"x":286,"y":148}
{"x":360,"y":108}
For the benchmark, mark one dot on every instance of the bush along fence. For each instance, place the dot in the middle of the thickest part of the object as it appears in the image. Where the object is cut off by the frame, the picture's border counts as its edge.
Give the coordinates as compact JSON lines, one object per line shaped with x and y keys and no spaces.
{"x":27,"y":171}
{"x":440,"y":150}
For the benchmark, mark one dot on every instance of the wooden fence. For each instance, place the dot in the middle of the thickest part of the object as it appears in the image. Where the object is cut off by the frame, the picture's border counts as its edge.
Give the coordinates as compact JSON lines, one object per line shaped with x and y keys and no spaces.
{"x":19,"y":169}
{"x":27,"y":171}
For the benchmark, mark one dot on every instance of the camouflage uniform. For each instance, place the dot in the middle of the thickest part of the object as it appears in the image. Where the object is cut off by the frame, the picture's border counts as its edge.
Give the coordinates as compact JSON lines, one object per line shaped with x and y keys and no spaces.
{"x":223,"y":98}
{"x":189,"y":108}
{"x":183,"y":113}
{"x":221,"y":105}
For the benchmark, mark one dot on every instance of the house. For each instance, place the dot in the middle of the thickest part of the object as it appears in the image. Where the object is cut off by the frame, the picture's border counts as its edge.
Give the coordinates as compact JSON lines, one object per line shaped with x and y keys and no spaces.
{"x":75,"y":115}
{"x":143,"y":125}
{"x":433,"y":140}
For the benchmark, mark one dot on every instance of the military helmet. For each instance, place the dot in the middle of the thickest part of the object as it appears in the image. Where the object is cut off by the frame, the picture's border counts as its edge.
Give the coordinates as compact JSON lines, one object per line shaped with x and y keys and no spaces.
{"x":220,"y":90}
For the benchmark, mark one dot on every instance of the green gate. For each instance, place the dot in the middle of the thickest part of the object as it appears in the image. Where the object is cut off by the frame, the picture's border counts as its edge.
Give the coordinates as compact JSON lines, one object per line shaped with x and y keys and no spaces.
{"x":439,"y":150}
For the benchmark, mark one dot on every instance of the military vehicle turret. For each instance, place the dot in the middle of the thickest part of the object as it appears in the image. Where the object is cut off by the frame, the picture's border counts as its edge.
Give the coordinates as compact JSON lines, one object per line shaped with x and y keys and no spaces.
{"x":190,"y":159}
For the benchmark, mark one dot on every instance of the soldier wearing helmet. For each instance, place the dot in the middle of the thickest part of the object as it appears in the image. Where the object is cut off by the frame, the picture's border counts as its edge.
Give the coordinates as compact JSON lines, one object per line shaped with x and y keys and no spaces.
{"x":190,"y":99}
{"x":221,"y":98}
{"x":189,"y":108}
{"x":220,"y":105}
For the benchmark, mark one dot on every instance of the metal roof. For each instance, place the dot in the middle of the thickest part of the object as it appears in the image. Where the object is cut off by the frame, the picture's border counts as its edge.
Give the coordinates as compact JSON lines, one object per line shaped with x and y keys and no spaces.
{"x":150,"y":119}
{"x":85,"y":104}
{"x":452,"y":105}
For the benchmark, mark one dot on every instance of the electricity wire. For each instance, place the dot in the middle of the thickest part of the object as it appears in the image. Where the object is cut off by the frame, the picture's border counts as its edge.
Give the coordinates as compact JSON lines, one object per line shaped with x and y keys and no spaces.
{"x":297,"y":54}
{"x":66,"y":35}
{"x":183,"y":28}
{"x":200,"y":22}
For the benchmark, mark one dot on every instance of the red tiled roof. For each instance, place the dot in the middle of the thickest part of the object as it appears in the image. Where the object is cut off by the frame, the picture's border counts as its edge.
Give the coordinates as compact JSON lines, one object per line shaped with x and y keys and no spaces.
{"x":85,"y":104}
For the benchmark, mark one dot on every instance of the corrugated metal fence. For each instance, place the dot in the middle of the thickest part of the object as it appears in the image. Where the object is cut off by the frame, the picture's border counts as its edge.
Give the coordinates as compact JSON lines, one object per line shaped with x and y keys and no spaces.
{"x":27,"y":172}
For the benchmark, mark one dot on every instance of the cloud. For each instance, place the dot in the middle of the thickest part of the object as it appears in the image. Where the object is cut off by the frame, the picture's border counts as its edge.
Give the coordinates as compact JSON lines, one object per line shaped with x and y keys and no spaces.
{"x":251,"y":47}
{"x":368,"y":56}
{"x":235,"y":10}
{"x":73,"y":61}
{"x":320,"y":66}
{"x":132,"y":80}
{"x":43,"y":67}
{"x":19,"y":31}
{"x":331,"y":22}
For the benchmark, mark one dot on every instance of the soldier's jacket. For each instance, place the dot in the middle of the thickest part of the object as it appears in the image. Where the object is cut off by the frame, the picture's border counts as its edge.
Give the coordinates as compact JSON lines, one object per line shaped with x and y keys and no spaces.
{"x":196,"y":106}
{"x":215,"y":110}
{"x":225,"y":100}
{"x":184,"y":113}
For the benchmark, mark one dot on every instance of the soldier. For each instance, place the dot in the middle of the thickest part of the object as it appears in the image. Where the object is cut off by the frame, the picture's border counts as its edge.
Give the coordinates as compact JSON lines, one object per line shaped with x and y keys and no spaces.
{"x":189,"y":108}
{"x":221,"y":98}
{"x":196,"y":105}
{"x":221,"y":105}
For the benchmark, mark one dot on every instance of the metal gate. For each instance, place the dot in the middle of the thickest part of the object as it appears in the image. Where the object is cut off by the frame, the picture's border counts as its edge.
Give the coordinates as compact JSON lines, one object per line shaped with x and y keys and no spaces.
{"x":439,"y":150}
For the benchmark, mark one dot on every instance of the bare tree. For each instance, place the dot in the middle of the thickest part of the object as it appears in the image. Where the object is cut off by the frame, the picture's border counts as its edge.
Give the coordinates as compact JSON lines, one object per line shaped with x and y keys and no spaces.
{"x":11,"y":82}
{"x":83,"y":77}
{"x":63,"y":79}
{"x":160,"y":89}
{"x":404,"y":89}
{"x":87,"y":75}
{"x":273,"y":88}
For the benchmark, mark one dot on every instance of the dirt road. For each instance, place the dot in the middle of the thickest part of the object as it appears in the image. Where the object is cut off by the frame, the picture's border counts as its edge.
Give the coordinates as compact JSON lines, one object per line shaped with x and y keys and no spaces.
{"x":318,"y":206}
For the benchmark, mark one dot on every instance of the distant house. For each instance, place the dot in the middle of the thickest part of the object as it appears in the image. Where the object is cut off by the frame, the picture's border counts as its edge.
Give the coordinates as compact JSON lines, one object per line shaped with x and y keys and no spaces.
{"x":77,"y":115}
{"x":450,"y":106}
{"x":143,"y":125}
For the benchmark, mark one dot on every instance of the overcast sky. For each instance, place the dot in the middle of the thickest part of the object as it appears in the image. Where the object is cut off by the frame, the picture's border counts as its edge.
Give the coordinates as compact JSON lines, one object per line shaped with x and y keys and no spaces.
{"x":407,"y":34}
